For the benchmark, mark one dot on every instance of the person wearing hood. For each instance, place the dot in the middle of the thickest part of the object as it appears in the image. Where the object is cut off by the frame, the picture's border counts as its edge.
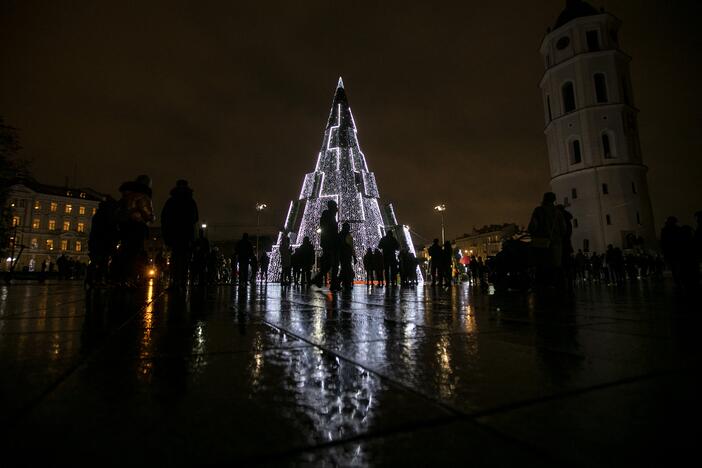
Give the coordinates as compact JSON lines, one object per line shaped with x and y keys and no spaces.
{"x":134,"y":213}
{"x":178,"y":220}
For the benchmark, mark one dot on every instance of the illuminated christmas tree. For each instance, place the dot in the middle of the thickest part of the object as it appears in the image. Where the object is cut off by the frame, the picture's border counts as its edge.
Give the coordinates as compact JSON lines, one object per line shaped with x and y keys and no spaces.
{"x":341,"y":174}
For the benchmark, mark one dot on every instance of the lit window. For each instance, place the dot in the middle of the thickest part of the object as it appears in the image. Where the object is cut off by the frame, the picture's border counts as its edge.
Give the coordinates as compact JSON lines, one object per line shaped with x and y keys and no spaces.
{"x":81,"y":210}
{"x":37,"y":205}
{"x":64,"y":244}
{"x":79,"y":246}
{"x":15,"y":221}
{"x":94,"y":210}
{"x":52,"y":224}
{"x":36,"y":223}
{"x":54,"y":207}
{"x":80,"y":227}
{"x":66,"y":225}
{"x":49,"y":244}
{"x":68,"y":209}
{"x":34,"y":243}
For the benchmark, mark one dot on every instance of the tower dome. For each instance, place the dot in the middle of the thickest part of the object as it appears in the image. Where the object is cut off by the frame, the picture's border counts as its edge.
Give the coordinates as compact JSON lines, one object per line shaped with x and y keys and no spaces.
{"x":574,"y":9}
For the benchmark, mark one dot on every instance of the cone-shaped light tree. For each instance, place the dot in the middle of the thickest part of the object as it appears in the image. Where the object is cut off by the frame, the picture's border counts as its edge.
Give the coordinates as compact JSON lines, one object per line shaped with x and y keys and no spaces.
{"x":341,"y":174}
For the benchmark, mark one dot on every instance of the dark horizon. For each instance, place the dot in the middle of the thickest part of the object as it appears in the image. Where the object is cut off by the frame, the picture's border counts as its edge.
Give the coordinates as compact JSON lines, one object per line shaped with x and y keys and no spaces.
{"x":245,"y":92}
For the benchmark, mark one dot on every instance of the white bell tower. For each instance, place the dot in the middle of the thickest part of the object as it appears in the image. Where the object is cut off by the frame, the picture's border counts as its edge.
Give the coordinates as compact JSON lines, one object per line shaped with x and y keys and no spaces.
{"x":591,"y":130}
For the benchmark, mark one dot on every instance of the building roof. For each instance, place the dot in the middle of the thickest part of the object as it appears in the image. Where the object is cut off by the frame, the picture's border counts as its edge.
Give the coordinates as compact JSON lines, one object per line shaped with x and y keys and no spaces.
{"x":70,"y":192}
{"x":574,"y":9}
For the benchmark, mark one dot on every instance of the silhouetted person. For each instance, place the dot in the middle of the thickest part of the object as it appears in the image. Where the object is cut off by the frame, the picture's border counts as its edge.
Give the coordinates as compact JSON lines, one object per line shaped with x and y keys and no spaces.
{"x":446,"y":266}
{"x":307,"y":259}
{"x":296,"y":262}
{"x":329,"y":241}
{"x":406,"y":266}
{"x":435,"y":255}
{"x":264,"y":262}
{"x":378,"y":266}
{"x":134,"y":212}
{"x":285,"y":260}
{"x":388,"y":245}
{"x":62,"y":265}
{"x":244,"y":252}
{"x":671,"y":240}
{"x":178,"y":219}
{"x":547,"y":228}
{"x":368,"y":265}
{"x":102,"y":242}
{"x":347,"y":256}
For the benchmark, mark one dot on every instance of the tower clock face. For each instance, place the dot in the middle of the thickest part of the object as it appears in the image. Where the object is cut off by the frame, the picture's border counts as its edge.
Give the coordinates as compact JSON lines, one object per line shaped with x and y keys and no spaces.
{"x":563,"y":43}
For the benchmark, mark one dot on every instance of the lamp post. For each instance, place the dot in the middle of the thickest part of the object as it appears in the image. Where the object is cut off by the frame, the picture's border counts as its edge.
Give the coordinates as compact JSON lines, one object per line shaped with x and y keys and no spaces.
{"x":259,"y":207}
{"x":441,"y":208}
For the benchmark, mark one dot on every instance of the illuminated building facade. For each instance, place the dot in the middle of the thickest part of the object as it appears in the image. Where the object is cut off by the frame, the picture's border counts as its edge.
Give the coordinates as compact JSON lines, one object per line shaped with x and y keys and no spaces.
{"x":591,"y":130}
{"x":49,"y":221}
{"x":341,"y":174}
{"x":487,"y":241}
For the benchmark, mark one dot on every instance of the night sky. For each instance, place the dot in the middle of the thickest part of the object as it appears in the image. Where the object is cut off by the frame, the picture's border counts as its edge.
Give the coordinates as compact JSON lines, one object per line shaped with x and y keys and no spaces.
{"x":234,"y":96}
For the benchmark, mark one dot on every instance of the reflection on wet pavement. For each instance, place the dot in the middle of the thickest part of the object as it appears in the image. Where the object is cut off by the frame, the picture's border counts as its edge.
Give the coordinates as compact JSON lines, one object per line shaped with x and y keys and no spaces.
{"x":371,"y":376}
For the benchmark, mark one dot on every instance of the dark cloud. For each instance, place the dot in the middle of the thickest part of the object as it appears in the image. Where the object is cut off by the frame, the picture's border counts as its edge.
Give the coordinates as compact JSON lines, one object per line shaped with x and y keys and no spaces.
{"x":235,"y":96}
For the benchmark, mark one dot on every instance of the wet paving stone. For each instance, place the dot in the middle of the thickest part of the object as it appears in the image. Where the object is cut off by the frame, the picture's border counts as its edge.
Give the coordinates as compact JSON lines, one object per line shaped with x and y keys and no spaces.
{"x":375,"y":376}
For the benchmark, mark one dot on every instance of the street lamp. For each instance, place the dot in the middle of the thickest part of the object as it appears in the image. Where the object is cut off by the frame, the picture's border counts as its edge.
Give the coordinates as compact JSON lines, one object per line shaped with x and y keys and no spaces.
{"x":441,"y":208}
{"x":259,"y":207}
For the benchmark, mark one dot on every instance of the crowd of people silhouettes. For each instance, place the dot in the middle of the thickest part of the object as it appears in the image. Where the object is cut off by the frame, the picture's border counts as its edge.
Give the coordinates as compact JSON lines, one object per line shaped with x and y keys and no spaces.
{"x":120,"y":227}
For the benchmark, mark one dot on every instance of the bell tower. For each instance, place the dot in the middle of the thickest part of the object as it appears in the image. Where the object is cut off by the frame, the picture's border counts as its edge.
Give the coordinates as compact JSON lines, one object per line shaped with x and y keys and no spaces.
{"x":591,"y":132}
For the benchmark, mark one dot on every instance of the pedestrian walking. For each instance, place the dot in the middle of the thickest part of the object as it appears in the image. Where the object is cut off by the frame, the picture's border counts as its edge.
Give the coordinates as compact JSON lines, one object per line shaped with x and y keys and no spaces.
{"x":244,"y":253}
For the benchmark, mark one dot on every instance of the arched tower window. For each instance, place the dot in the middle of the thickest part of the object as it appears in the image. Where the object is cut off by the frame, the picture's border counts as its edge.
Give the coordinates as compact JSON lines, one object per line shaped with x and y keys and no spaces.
{"x":600,"y":87}
{"x":607,"y":146}
{"x":568,"y":97}
{"x":576,"y":156}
